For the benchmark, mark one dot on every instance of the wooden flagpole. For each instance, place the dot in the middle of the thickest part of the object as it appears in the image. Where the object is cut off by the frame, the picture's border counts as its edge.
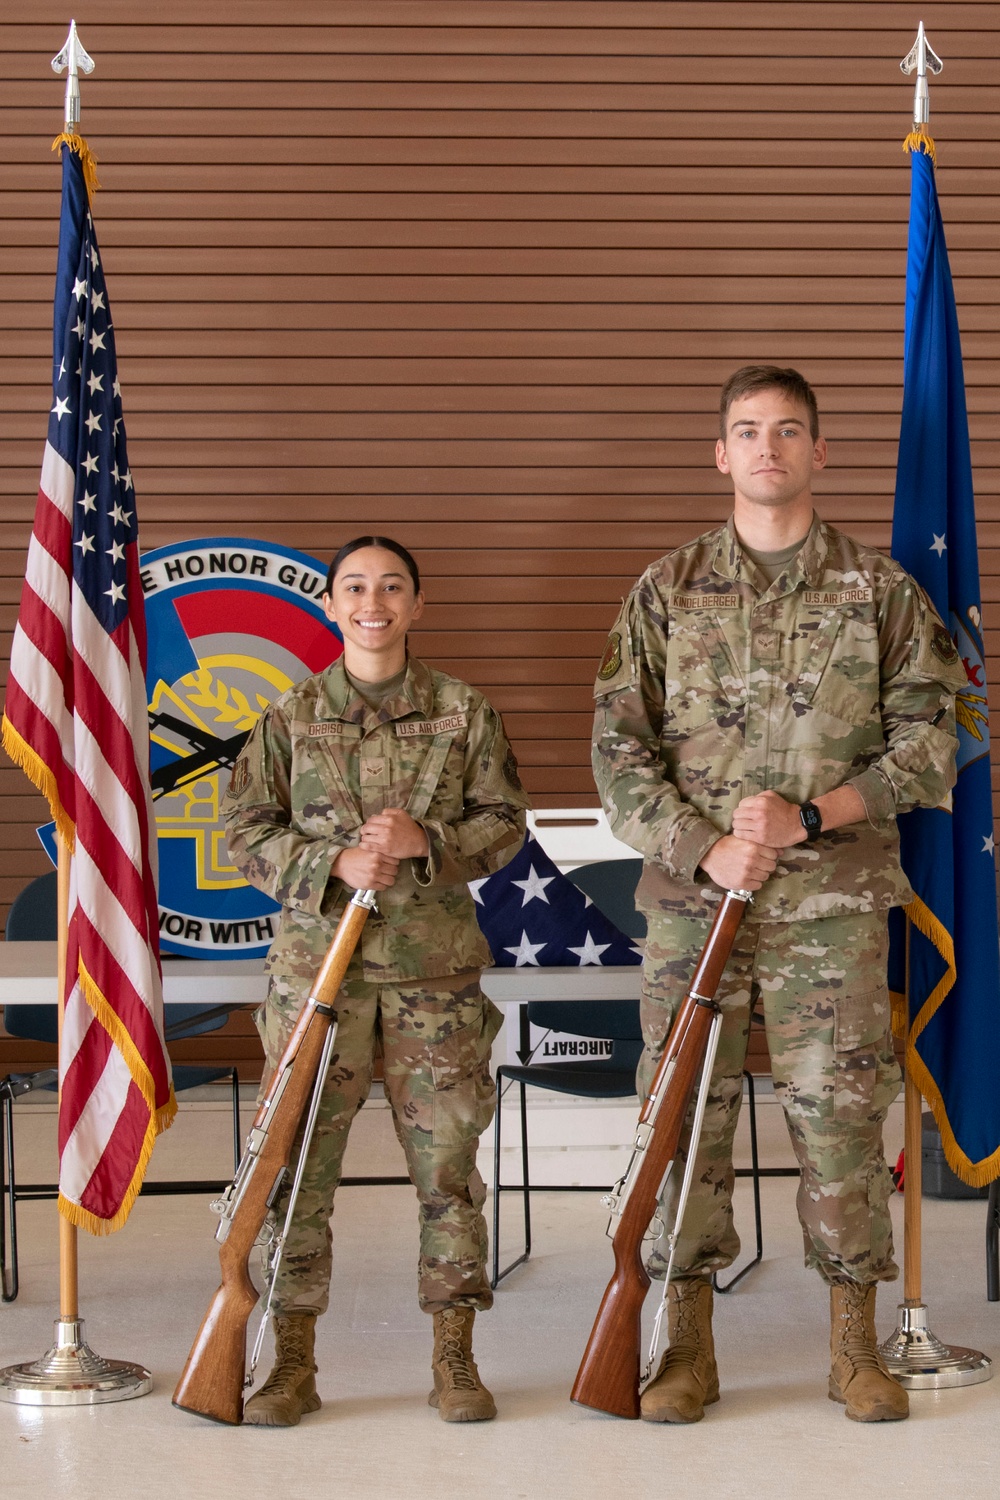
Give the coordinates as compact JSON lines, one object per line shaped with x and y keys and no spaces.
{"x":914,"y":1355}
{"x":69,"y":1281}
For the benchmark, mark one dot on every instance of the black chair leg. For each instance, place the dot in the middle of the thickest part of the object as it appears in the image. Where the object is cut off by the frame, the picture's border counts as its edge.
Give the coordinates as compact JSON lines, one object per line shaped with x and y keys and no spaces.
{"x":755,"y":1177}
{"x":9,"y":1278}
{"x":499,"y":1275}
{"x":237,"y":1133}
{"x":993,"y":1243}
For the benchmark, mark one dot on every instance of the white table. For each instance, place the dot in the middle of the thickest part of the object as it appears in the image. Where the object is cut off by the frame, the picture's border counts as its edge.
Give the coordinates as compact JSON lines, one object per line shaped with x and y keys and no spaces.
{"x":28,"y":977}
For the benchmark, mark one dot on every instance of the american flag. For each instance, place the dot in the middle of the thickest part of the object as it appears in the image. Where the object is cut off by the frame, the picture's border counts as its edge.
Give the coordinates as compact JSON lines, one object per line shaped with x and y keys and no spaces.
{"x":76,"y":720}
{"x":531,"y":913}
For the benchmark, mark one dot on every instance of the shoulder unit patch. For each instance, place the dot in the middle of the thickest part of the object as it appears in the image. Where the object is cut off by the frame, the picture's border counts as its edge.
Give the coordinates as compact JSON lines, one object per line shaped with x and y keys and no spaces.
{"x":612,"y":658}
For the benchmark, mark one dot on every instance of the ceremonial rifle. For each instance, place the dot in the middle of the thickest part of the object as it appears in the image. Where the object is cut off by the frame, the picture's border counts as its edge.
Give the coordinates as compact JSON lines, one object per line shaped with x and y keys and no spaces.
{"x":608,"y":1378}
{"x":212,"y":1382}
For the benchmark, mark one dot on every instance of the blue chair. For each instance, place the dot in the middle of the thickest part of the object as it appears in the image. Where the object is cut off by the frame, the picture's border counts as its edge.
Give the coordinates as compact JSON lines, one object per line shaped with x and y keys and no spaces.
{"x":32,"y":918}
{"x":611,"y":885}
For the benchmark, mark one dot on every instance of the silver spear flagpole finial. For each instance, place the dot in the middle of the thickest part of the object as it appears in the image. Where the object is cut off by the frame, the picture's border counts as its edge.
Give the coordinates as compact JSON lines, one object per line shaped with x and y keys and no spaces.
{"x":75,"y":58}
{"x":921,"y":56}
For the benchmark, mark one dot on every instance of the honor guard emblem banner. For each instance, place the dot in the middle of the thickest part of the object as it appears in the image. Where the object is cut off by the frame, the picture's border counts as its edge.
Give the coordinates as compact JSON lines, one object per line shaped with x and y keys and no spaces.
{"x":231,"y":623}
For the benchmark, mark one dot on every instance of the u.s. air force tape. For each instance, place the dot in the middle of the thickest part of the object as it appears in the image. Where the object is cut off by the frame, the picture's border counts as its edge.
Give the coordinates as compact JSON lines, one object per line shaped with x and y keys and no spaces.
{"x":408,"y":729}
{"x":834,"y":597}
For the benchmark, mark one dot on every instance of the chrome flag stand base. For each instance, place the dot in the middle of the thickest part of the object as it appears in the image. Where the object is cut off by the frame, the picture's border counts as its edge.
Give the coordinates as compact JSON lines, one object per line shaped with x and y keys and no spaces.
{"x":921,"y":1362}
{"x":71,"y":1374}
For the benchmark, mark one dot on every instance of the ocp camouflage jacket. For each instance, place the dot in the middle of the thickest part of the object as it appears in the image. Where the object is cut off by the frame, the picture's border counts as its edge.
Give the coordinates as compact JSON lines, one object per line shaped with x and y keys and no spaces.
{"x":319,"y":762}
{"x":715,"y":686}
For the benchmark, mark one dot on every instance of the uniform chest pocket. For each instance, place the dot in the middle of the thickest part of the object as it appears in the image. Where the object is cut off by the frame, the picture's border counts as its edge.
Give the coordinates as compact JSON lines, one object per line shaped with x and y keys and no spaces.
{"x":839,"y":653}
{"x":702,"y":684}
{"x":325,"y":795}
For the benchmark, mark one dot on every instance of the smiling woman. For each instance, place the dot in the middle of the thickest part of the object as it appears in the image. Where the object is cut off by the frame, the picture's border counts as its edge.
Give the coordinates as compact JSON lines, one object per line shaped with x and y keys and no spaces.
{"x":382,"y":774}
{"x":373,"y":594}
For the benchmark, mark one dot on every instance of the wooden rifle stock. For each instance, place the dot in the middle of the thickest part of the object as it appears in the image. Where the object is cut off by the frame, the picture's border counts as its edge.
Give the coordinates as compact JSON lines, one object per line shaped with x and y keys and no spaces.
{"x":608,"y":1377}
{"x":212,"y":1381}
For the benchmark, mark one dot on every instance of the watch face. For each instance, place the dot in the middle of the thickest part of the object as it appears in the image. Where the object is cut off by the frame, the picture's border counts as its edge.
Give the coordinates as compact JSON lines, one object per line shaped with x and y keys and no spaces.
{"x":812,"y":818}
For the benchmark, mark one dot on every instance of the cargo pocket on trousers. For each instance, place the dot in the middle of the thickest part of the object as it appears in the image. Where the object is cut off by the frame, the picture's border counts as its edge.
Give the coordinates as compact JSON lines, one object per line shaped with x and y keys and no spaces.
{"x":464,"y":1097}
{"x":862,"y":1053}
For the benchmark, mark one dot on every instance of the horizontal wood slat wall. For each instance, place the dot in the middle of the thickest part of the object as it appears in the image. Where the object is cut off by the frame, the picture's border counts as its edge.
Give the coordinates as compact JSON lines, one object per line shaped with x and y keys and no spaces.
{"x":473,"y":274}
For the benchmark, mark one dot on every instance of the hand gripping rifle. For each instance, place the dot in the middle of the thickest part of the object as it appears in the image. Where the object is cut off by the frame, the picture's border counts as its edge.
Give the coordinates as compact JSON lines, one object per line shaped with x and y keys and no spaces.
{"x":213,"y":1379}
{"x":608,"y":1378}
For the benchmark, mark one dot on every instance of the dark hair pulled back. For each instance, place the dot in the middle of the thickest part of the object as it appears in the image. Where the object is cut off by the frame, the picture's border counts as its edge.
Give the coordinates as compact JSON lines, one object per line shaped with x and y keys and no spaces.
{"x":373,"y":541}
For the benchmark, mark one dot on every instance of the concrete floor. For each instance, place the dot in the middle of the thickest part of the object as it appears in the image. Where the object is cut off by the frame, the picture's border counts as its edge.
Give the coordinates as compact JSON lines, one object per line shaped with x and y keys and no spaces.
{"x":145,"y":1290}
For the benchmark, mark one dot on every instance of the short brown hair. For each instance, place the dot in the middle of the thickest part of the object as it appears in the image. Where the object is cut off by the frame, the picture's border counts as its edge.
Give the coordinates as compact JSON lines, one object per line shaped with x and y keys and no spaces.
{"x":753,"y":378}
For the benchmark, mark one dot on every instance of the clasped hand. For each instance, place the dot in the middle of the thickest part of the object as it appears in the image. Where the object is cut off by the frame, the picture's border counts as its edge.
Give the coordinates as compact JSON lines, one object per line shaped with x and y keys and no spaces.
{"x":386,"y":838}
{"x":763,"y":825}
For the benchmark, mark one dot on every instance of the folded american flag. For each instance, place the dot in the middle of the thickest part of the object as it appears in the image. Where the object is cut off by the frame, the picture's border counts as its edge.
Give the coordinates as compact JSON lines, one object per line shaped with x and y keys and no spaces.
{"x":531,"y":913}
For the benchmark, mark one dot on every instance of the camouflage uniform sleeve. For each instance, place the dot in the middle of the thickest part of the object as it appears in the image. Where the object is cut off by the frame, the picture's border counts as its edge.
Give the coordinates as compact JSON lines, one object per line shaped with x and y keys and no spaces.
{"x":644,"y":807}
{"x":920,"y":674}
{"x":288,"y":866}
{"x":491,"y":828}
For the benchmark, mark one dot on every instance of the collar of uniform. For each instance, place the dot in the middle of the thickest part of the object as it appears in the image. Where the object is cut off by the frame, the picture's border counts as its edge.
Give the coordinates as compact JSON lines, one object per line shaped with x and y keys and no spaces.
{"x":338,"y":700}
{"x":415,"y":696}
{"x":807,"y":567}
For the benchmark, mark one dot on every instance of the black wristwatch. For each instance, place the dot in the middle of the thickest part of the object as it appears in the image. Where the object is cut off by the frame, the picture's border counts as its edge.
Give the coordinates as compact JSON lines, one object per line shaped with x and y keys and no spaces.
{"x":812,"y":821}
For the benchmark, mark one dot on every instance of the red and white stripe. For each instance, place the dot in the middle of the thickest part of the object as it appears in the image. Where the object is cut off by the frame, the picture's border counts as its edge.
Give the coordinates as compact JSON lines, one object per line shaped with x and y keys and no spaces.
{"x":77,"y":701}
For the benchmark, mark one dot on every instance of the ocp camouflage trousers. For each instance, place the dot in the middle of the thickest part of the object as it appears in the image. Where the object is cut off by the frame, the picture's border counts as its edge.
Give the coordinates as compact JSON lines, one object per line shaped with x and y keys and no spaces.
{"x":822,"y":988}
{"x":435,"y":1041}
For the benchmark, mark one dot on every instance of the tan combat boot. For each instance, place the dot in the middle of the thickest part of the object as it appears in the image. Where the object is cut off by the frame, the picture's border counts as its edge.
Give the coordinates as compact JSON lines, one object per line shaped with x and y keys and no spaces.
{"x":458,"y":1393}
{"x":858,"y":1376}
{"x":290,"y":1389}
{"x":687,"y":1379}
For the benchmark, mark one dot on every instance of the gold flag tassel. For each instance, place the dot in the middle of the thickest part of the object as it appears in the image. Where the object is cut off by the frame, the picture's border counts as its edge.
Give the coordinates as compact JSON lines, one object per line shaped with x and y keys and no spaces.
{"x":88,"y":160}
{"x":920,"y":139}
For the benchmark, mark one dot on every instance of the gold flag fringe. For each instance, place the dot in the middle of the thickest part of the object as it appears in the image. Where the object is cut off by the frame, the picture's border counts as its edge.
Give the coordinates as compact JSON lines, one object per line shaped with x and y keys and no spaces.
{"x":921,"y":140}
{"x":160,"y":1119}
{"x":976,"y":1174}
{"x":42,"y":777}
{"x":88,"y":160}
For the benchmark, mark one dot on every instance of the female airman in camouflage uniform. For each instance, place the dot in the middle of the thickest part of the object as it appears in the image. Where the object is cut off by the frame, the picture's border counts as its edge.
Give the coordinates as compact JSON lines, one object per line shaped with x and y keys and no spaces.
{"x":380,"y":773}
{"x":771,"y":696}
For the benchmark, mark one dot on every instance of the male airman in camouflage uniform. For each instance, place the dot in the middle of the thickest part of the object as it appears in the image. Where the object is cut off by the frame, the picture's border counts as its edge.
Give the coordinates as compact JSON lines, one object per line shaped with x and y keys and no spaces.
{"x":771,"y":696}
{"x":320,"y":767}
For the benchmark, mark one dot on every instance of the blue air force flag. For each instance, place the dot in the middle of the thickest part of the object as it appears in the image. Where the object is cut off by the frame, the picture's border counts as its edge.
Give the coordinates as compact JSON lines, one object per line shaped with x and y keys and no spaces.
{"x":953,"y":981}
